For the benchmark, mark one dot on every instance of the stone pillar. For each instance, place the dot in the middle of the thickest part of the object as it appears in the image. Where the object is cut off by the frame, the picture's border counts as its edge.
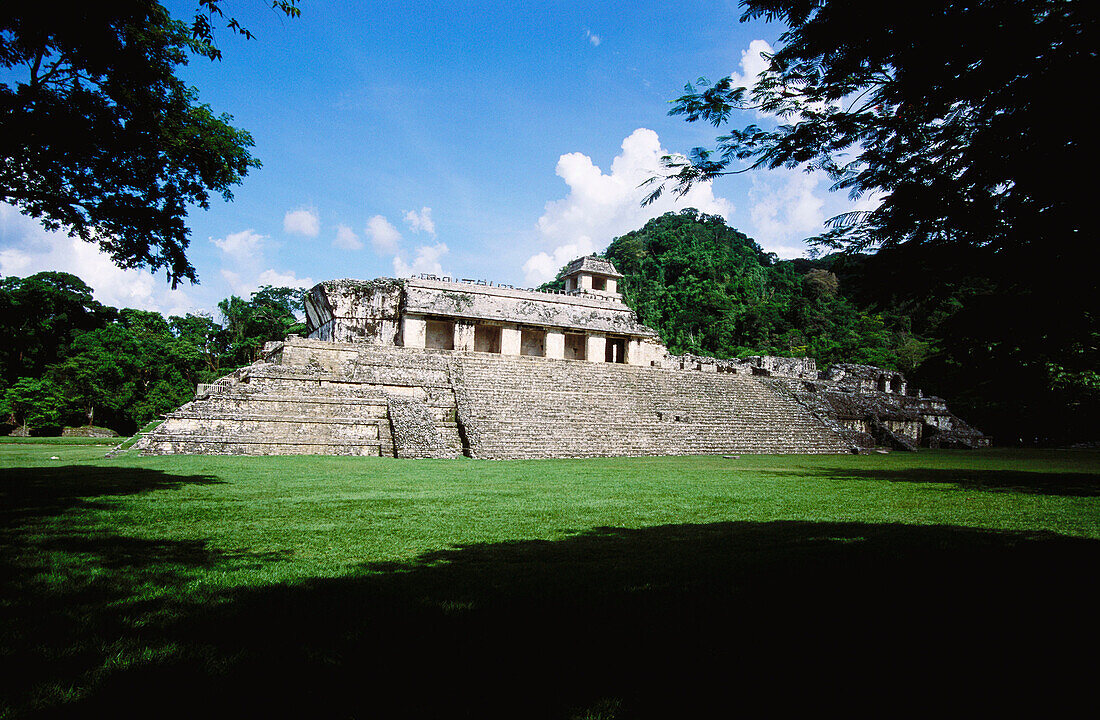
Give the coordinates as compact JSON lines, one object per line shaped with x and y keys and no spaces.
{"x":597,"y":348}
{"x":555,"y":344}
{"x":634,"y":351}
{"x":612,"y":285}
{"x":413,"y":329}
{"x":509,"y":340}
{"x":585,"y":281}
{"x":464,"y":335}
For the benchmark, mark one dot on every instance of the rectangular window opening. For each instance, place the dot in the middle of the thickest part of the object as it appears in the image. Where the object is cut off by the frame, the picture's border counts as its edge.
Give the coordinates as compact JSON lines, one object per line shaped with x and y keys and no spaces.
{"x":616,"y":350}
{"x":487,"y":338}
{"x":575,"y":346}
{"x":532,"y":342}
{"x":439,"y":334}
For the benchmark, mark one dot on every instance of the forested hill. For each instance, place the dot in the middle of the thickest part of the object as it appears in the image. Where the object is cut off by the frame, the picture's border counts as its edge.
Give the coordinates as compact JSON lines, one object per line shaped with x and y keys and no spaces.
{"x":711,"y":290}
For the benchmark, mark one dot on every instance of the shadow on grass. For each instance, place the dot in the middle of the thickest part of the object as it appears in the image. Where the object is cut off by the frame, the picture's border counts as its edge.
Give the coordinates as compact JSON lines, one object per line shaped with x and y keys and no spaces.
{"x":657,"y":622}
{"x":55,"y":488}
{"x":33,"y":491}
{"x":1067,"y":484}
{"x":71,"y":590}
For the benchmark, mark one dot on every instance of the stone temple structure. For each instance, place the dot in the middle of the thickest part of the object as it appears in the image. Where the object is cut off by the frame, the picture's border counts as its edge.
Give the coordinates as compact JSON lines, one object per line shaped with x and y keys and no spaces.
{"x":441,"y":367}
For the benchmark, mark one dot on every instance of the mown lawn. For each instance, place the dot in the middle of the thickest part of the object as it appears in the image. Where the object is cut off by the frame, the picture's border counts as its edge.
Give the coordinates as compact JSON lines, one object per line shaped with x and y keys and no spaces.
{"x":621,"y":587}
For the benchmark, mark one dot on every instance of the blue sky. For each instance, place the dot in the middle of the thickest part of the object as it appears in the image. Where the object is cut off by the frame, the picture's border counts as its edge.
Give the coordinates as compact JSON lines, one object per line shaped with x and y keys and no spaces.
{"x":483,"y":140}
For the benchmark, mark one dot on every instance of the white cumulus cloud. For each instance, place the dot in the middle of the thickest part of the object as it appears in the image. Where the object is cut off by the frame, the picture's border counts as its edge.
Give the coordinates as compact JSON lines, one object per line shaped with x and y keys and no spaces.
{"x":244,"y":246}
{"x":426,"y":261}
{"x":302,"y":222}
{"x":287,"y":279}
{"x":421,"y":221}
{"x":244,"y":286}
{"x":592,"y":37}
{"x":244,"y":258}
{"x":346,"y":239}
{"x":785,"y":209}
{"x":544,"y":266}
{"x":753,"y":63}
{"x":383,"y":236}
{"x":601,"y":206}
{"x":27,"y":248}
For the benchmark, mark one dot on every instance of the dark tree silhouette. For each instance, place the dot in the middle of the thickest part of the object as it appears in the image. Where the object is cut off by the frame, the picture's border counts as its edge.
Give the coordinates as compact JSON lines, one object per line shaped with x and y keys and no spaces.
{"x":100,"y":137}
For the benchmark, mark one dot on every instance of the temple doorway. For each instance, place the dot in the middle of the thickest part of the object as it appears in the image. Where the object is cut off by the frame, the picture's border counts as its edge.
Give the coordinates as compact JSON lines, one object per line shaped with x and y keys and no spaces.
{"x":575,"y":346}
{"x":616,"y":350}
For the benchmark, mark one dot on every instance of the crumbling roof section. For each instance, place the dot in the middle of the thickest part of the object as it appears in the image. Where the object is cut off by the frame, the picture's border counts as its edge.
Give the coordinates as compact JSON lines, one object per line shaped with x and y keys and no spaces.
{"x":593,"y":264}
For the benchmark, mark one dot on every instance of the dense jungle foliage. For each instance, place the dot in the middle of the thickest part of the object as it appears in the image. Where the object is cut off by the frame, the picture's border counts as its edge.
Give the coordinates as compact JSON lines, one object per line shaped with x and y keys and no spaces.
{"x":66,"y":359}
{"x":711,"y":290}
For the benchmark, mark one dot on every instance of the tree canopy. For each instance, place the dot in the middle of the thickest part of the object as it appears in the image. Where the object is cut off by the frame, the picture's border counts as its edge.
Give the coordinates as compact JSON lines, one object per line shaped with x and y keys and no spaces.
{"x":953,"y":115}
{"x":98,"y":135}
{"x":962,"y":139}
{"x":67,"y":359}
{"x":40,"y":316}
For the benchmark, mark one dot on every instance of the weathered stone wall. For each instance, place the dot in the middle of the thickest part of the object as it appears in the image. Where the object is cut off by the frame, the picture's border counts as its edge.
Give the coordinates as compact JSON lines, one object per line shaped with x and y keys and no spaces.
{"x":868,"y":416}
{"x":367,"y":311}
{"x":481,"y":302}
{"x":784,"y":366}
{"x":865,"y":378}
{"x":415,"y":430}
{"x":88,"y":431}
{"x":370,"y":311}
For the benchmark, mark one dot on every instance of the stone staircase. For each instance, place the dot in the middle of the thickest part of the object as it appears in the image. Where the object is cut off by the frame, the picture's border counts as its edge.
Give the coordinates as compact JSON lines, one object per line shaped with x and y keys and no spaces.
{"x":533,"y":407}
{"x":314,"y":397}
{"x":335,"y":408}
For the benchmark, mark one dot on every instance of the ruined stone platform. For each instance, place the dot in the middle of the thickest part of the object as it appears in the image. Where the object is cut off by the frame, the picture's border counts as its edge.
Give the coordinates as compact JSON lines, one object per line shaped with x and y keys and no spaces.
{"x":311,"y":396}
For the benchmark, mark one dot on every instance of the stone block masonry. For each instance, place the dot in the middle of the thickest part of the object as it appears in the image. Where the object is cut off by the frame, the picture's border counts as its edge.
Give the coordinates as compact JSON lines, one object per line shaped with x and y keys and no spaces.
{"x":445,"y":315}
{"x":318,"y":397}
{"x":527,"y":407}
{"x":415,"y":430}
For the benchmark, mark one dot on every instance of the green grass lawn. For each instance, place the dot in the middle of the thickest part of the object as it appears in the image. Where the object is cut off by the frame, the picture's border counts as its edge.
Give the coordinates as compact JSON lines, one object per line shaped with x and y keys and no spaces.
{"x":8,"y":440}
{"x":621,"y":587}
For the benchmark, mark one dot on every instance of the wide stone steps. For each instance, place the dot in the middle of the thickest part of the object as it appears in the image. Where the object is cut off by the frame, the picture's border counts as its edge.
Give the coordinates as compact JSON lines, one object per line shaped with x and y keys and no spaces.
{"x":338,"y":402}
{"x":276,"y":428}
{"x":349,"y":374}
{"x":279,"y":410}
{"x":303,"y":409}
{"x":203,"y":444}
{"x":530,"y":408}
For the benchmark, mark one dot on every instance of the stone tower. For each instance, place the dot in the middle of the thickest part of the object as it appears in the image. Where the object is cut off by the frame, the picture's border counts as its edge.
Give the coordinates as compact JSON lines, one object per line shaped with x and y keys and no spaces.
{"x":591,"y":275}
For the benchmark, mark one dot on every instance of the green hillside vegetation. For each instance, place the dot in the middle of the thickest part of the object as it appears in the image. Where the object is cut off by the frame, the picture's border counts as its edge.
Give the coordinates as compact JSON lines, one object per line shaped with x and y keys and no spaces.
{"x":709,"y":289}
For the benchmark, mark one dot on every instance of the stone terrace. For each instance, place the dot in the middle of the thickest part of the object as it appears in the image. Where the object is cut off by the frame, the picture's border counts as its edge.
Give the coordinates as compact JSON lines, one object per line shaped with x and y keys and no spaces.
{"x":311,"y":396}
{"x":532,"y":407}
